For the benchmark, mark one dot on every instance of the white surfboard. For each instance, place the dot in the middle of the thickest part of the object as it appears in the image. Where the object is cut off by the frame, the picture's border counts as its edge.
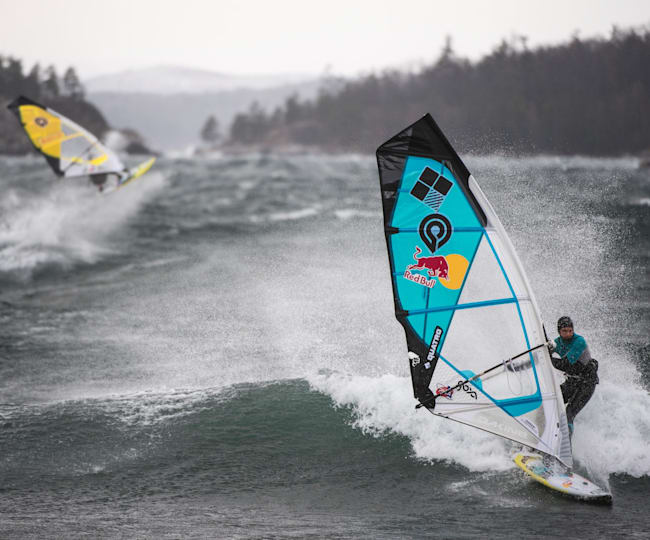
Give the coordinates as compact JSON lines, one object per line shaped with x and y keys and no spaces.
{"x":557,"y":476}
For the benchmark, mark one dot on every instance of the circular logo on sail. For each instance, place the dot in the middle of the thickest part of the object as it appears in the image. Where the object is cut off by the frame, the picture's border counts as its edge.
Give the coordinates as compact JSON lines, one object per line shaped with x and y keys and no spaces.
{"x":435,"y":231}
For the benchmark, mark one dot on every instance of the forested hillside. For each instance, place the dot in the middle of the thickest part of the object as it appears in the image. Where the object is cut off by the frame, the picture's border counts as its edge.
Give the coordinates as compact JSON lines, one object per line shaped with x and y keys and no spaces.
{"x":586,"y":96}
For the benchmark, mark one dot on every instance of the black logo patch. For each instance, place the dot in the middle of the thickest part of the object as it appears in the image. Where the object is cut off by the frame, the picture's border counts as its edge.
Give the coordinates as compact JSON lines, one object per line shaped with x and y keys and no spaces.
{"x":435,"y":231}
{"x":431,"y":188}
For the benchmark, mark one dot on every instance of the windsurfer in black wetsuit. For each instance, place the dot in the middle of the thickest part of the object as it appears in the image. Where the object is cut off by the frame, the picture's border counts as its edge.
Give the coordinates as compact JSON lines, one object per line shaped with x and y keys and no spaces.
{"x":99,"y":180}
{"x":571,"y":355}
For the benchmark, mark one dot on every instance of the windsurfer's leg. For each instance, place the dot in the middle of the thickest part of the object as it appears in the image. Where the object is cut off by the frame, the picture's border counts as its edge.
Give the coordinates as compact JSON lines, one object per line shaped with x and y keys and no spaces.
{"x":579,"y":399}
{"x":565,"y":391}
{"x":569,"y":389}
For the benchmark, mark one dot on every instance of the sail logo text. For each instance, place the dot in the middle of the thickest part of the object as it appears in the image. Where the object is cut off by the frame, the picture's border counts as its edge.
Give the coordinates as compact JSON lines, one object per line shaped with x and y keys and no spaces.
{"x":49,"y":139}
{"x":418,"y":278}
{"x":433,"y":349}
{"x":467,"y":389}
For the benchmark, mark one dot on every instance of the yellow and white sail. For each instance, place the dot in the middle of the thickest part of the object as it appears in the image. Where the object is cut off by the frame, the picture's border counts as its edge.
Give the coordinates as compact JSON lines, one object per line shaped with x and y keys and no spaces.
{"x":70,"y":150}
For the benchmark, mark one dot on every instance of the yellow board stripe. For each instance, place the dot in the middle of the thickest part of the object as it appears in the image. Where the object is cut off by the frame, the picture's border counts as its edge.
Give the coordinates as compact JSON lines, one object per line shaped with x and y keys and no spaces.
{"x":521,"y":462}
{"x":139,"y":171}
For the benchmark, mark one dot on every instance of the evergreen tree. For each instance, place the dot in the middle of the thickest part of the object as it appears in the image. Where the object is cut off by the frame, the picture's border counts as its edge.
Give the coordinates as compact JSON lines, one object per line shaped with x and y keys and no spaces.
{"x":51,"y":83}
{"x":210,"y":130}
{"x":33,"y":82}
{"x":72,"y":85}
{"x":251,"y":127}
{"x":14,"y":76}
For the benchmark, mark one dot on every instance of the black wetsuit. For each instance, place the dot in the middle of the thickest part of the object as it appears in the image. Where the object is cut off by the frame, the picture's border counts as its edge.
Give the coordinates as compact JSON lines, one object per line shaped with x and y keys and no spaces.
{"x":98,"y":179}
{"x":581,"y":371}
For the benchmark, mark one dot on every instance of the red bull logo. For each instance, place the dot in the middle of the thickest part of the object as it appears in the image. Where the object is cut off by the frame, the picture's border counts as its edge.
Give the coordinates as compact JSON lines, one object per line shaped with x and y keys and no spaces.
{"x":436,"y":266}
{"x":449,"y":269}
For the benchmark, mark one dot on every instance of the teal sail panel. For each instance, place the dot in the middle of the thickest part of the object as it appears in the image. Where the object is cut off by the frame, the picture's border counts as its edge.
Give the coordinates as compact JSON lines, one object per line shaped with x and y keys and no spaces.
{"x":462,"y":296}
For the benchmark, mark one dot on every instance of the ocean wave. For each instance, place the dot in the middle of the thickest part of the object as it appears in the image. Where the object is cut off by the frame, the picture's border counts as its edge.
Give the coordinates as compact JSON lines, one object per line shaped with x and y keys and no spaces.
{"x":385,"y":404}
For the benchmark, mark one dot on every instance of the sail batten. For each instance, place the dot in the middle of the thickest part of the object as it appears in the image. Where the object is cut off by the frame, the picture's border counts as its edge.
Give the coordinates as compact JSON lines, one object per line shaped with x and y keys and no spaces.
{"x":463,"y":306}
{"x":463,"y":298}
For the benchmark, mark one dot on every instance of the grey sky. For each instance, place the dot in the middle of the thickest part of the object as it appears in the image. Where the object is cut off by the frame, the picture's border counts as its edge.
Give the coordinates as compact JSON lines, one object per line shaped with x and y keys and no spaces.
{"x":288,"y":36}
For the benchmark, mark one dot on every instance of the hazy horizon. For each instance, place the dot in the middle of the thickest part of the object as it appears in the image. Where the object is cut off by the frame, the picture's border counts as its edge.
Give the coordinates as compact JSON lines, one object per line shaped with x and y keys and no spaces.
{"x":288,"y":37}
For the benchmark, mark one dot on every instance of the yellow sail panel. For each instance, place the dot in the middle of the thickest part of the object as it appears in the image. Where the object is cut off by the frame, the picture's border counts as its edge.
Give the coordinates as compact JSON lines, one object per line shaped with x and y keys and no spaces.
{"x":43,"y":129}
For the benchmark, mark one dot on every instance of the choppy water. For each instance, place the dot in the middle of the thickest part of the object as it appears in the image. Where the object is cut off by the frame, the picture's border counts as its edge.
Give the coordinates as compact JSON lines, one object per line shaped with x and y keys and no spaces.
{"x":212,"y":352}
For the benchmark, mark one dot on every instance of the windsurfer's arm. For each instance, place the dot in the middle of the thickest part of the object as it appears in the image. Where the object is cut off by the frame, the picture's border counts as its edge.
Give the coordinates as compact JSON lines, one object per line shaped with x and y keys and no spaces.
{"x":563,"y":364}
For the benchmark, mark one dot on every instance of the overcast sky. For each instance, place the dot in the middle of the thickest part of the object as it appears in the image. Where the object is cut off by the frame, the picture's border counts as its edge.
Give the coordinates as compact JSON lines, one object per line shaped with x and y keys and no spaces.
{"x":287,"y":36}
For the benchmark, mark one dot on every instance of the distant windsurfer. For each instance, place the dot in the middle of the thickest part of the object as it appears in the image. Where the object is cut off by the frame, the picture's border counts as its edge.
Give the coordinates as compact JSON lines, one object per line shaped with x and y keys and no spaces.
{"x":571,"y":355}
{"x":99,"y":180}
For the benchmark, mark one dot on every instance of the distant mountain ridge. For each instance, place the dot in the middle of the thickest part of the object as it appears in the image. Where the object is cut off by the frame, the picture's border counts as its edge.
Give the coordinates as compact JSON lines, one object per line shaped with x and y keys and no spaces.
{"x":168,"y":105}
{"x":167,"y":80}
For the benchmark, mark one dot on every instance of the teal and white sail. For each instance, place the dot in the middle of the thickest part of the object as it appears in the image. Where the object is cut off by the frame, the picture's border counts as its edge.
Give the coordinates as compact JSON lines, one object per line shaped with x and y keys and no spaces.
{"x":463,"y":298}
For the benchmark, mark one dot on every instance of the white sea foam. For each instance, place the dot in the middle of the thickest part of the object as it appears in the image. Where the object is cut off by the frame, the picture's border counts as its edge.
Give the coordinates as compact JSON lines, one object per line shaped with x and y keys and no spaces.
{"x":294,"y":214}
{"x":613,"y":430}
{"x":561,"y":163}
{"x":611,"y":435}
{"x":351,"y":213}
{"x":65,"y":225}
